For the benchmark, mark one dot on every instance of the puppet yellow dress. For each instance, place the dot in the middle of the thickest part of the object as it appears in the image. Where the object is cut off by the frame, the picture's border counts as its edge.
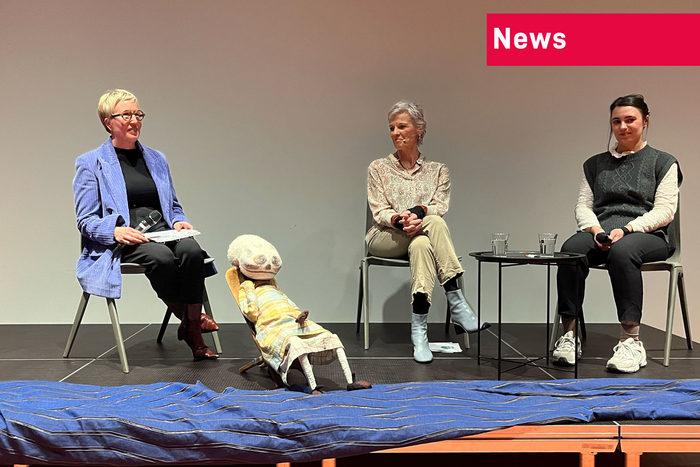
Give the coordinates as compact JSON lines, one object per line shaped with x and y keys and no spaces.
{"x":280,"y":338}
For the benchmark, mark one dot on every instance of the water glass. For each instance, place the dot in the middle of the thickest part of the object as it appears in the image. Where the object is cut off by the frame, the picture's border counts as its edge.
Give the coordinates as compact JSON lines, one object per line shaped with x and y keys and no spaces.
{"x":547,"y":242}
{"x":499,"y":244}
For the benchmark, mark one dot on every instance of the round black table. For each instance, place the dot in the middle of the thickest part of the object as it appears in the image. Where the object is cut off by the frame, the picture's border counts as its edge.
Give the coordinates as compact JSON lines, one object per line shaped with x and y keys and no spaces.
{"x":516,"y":258}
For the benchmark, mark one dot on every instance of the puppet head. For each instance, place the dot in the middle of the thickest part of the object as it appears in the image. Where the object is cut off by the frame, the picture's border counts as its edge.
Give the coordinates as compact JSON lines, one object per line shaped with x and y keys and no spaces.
{"x":255,"y":257}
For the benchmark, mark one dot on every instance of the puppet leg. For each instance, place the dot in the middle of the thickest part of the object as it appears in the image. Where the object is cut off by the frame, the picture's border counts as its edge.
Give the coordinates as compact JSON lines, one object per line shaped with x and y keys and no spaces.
{"x":344,"y":365}
{"x":308,"y":371}
{"x":352,"y":385}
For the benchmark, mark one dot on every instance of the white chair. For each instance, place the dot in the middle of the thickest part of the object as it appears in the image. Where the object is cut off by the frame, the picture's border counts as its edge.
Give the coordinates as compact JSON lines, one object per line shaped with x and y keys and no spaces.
{"x":129,"y":268}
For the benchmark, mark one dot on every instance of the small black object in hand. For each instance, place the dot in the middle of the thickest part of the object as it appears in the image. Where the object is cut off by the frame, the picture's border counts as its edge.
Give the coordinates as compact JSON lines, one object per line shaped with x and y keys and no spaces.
{"x":603,"y":238}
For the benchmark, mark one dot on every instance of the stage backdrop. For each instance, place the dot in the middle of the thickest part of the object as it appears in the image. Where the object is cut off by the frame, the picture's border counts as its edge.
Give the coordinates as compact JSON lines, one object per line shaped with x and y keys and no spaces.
{"x":269,"y":114}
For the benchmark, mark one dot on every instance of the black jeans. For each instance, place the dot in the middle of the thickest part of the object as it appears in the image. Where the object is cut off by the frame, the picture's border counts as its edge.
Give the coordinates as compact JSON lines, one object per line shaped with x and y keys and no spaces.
{"x":175,"y":269}
{"x":623,"y":260}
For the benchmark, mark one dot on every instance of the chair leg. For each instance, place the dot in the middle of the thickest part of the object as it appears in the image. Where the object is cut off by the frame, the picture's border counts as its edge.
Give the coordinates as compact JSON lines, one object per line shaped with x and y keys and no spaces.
{"x":365,"y":296}
{"x":76,"y":323}
{"x":164,"y":326}
{"x":555,"y":330}
{"x":447,"y":312}
{"x":255,"y":362}
{"x":684,"y":308}
{"x":112,"y":306}
{"x":582,"y":325}
{"x":670,"y":311}
{"x":207,"y":310}
{"x":447,"y":319}
{"x":467,"y":344}
{"x":359,"y":301}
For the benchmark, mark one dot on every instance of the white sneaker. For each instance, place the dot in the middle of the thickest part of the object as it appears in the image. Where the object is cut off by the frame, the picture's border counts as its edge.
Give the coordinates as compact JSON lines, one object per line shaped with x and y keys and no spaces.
{"x":564,"y":349}
{"x":629,"y":357}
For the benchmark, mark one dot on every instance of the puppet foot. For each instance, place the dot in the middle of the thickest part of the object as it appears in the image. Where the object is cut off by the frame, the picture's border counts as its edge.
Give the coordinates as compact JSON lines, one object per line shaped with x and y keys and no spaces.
{"x":359,"y":385}
{"x":207,"y":323}
{"x":419,"y":337}
{"x":462,"y":315}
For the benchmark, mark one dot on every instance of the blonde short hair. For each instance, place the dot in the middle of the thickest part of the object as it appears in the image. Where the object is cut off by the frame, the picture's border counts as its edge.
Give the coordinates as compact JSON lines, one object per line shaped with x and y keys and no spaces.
{"x":109,"y":101}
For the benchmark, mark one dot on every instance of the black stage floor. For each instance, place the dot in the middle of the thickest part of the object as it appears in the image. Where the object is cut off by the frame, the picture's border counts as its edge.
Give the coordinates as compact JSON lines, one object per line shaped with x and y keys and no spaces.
{"x":34,"y":352}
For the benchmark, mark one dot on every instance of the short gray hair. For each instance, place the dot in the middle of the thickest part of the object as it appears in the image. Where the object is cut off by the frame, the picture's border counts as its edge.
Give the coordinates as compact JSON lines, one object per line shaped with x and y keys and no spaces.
{"x":415,"y":111}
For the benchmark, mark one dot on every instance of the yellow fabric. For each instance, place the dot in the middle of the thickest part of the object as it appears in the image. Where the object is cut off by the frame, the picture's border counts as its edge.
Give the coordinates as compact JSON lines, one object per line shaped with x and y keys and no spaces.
{"x":274,"y":315}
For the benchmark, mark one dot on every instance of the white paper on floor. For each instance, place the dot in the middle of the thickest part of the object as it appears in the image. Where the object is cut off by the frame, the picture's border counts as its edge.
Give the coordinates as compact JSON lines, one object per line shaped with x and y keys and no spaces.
{"x":444,"y":347}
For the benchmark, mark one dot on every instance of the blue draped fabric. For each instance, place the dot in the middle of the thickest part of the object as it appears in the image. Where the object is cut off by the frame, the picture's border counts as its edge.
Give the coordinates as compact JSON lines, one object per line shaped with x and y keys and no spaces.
{"x":49,"y":422}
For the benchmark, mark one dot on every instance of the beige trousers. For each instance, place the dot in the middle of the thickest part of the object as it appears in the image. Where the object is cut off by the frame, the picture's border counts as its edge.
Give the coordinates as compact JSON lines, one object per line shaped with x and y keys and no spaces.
{"x":430,"y":253}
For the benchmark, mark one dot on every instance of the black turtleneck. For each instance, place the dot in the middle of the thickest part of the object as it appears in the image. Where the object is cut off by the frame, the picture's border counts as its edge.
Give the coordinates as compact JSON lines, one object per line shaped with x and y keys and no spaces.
{"x":141,"y":190}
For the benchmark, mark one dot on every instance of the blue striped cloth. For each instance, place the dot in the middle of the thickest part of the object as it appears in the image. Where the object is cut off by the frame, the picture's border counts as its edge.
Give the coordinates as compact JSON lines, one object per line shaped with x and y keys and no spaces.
{"x":50,"y":422}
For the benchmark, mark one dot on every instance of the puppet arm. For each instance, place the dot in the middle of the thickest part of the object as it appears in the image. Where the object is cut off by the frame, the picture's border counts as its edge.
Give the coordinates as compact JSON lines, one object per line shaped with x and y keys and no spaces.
{"x":302,"y":316}
{"x":248,"y":301}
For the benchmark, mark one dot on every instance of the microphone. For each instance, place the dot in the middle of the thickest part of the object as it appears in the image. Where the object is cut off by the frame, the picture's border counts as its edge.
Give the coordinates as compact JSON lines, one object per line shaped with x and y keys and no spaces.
{"x":603,"y":238}
{"x":153,"y":218}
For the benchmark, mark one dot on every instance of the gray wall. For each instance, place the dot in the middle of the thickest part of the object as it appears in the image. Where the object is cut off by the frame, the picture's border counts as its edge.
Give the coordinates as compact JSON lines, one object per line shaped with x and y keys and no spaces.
{"x":269,"y":113}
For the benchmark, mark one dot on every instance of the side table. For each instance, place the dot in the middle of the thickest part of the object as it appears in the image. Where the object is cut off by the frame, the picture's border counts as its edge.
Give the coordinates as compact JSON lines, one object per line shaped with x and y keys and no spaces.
{"x":516,"y":258}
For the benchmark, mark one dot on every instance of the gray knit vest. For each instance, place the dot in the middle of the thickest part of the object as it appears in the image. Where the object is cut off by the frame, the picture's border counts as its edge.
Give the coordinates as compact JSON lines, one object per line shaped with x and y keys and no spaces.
{"x":624,"y":188}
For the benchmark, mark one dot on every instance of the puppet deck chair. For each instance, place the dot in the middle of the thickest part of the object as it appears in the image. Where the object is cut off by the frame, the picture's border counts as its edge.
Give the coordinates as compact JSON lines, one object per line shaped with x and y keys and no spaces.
{"x":234,"y":279}
{"x":282,"y":332}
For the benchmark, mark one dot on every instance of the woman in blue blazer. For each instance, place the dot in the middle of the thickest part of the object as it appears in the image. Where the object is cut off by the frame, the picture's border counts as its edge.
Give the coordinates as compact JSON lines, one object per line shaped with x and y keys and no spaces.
{"x":116,"y":187}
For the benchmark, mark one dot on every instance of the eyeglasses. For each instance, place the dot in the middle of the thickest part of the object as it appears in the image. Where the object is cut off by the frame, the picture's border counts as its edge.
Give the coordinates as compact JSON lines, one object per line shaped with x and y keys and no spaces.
{"x":126,"y":115}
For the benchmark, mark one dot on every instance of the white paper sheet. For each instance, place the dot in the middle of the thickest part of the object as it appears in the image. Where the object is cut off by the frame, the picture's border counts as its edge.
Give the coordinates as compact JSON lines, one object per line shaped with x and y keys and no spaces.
{"x":170,"y":235}
{"x":444,"y":347}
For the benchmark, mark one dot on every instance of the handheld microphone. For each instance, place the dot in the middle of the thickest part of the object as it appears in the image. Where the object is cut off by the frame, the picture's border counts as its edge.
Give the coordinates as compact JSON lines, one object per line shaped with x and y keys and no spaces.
{"x":153,"y":218}
{"x":603,"y":238}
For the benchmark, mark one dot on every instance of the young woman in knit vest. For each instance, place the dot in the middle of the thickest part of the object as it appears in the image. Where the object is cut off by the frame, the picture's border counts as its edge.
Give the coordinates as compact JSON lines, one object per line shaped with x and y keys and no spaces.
{"x":627,"y":198}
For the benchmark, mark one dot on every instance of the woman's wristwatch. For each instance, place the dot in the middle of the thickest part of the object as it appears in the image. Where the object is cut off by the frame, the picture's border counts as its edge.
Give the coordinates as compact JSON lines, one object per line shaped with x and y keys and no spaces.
{"x":625,"y":230}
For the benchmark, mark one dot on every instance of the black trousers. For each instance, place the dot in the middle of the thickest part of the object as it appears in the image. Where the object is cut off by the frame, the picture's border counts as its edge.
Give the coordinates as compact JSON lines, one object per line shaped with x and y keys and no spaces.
{"x":623,"y":260}
{"x":175,"y":269}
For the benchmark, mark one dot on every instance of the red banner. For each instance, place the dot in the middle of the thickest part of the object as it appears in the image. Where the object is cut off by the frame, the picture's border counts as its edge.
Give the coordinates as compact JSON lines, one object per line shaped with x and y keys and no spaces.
{"x":593,"y":39}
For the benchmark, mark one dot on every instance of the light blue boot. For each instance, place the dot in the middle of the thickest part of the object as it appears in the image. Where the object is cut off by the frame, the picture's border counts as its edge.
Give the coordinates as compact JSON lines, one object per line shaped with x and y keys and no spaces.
{"x":462,"y":315}
{"x":419,"y":337}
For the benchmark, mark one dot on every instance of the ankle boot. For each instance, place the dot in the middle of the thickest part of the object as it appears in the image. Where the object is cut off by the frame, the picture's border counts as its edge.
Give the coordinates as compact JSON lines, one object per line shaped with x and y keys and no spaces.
{"x":419,"y":337}
{"x":462,"y":315}
{"x":191,"y":333}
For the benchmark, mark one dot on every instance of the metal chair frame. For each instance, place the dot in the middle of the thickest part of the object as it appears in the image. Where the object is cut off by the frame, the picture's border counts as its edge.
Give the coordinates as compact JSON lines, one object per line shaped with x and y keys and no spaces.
{"x":129,"y":268}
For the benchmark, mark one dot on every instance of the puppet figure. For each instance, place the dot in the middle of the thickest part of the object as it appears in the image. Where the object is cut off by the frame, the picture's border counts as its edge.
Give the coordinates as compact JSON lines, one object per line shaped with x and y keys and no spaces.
{"x":282,"y":331}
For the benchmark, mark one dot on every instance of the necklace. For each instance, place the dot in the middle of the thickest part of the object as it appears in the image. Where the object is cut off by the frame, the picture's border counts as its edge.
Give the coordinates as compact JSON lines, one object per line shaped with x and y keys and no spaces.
{"x":407,"y":168}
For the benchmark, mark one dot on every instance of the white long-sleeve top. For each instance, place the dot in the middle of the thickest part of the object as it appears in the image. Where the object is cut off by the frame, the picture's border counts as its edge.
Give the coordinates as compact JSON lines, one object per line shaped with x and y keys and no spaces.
{"x":665,"y":202}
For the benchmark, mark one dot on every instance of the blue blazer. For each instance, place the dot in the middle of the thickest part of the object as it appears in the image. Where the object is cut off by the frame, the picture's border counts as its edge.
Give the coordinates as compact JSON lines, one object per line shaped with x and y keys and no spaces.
{"x":101,"y":205}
